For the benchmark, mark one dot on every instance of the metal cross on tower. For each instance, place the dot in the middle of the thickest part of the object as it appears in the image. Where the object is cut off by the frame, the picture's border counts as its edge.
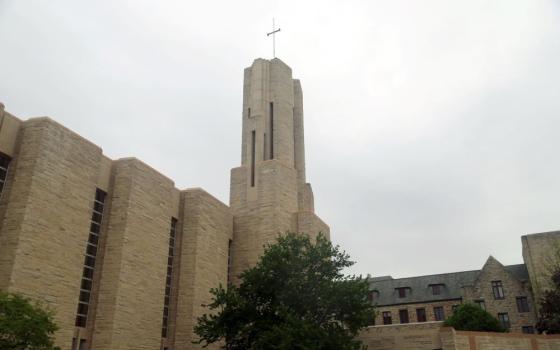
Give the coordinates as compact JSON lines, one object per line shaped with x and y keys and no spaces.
{"x":273,"y":33}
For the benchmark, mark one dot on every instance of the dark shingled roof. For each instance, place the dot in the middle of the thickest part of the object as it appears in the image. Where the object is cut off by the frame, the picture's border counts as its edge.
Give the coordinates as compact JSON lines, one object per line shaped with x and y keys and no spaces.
{"x":420,"y":287}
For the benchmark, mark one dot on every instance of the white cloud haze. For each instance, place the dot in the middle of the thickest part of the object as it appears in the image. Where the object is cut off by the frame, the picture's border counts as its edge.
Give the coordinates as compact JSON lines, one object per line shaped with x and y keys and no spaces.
{"x":432,"y":127}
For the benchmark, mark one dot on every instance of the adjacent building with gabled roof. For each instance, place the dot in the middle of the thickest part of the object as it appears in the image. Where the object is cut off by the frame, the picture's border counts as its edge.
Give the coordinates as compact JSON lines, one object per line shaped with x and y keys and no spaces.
{"x":508,"y":292}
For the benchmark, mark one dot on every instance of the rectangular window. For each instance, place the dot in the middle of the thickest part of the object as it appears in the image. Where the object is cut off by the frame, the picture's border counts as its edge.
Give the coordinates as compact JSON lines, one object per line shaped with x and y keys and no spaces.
{"x":421,"y":315}
{"x":402,"y":292}
{"x":503,"y":317}
{"x":438,"y":313}
{"x":253,"y":158}
{"x":371,"y":319}
{"x":437,"y":289}
{"x":454,"y":308}
{"x":169,"y":277}
{"x":522,"y":304}
{"x":89,"y":259}
{"x":387,"y":317}
{"x":4,"y":162}
{"x":264,"y":146}
{"x":372,"y":295}
{"x":480,"y":304}
{"x":271,"y":130}
{"x":498,"y":289}
{"x":403,"y":315}
{"x":229,"y":262}
{"x":528,"y":329}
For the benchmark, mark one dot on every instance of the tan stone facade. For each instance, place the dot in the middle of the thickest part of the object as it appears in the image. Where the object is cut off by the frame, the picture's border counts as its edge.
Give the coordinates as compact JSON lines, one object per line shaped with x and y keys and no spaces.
{"x":431,"y":335}
{"x":269,"y":193}
{"x":115,"y":244}
{"x":541,"y":253}
{"x":123,"y":257}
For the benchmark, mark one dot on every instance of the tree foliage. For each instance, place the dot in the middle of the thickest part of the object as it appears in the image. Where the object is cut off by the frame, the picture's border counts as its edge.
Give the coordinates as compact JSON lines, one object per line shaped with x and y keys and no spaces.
{"x":470,"y":317}
{"x":24,"y":325}
{"x":296,"y":297}
{"x":549,"y":310}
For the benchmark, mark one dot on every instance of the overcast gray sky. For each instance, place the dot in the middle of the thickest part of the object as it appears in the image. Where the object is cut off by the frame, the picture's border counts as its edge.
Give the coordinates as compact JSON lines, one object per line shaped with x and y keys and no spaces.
{"x":432,"y":127}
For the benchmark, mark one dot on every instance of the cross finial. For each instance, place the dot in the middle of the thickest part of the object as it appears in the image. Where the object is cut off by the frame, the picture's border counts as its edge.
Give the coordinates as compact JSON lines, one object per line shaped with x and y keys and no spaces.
{"x":273,"y":33}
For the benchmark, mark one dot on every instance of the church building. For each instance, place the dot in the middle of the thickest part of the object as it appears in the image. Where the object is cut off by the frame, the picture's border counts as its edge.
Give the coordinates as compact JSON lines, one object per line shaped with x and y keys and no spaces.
{"x":123,"y":257}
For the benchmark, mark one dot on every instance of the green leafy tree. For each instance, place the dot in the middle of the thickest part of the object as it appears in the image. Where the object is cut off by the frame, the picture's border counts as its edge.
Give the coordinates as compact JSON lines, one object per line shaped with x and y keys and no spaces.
{"x":470,"y":317}
{"x":296,"y":297}
{"x":24,"y":325}
{"x":549,"y":308}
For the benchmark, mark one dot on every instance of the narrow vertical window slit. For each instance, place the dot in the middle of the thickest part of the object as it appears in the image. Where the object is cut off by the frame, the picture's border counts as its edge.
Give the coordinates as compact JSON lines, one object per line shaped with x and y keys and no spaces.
{"x":168,"y":278}
{"x":253,"y":158}
{"x":90,"y":258}
{"x":271,"y":130}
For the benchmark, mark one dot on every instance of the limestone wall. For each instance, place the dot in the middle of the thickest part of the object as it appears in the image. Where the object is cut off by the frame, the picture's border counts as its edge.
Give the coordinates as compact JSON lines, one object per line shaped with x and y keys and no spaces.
{"x":9,"y":129}
{"x":418,"y":336}
{"x":512,"y":288}
{"x":541,"y":251}
{"x":268,"y":194}
{"x":45,"y":215}
{"x":132,"y":284}
{"x":461,"y":340}
{"x":207,"y":230}
{"x":432,"y":336}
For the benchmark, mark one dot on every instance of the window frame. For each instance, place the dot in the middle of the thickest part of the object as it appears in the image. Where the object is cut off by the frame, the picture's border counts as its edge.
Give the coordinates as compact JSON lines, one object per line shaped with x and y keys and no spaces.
{"x":522,"y":304}
{"x":387,"y":317}
{"x":481,"y":303}
{"x":437,"y":288}
{"x":403,"y":292}
{"x":4,"y":169}
{"x":421,"y":316}
{"x":504,"y":319}
{"x":436,"y":313}
{"x":404,"y":317}
{"x":498,"y":290}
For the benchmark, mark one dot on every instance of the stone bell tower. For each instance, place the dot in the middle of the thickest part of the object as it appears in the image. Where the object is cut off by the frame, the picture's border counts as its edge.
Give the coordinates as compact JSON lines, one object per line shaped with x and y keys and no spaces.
{"x":269,"y":194}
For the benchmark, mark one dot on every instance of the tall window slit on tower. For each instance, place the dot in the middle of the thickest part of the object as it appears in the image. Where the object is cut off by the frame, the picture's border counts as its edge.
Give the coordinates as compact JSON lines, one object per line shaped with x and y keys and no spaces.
{"x":253,"y":158}
{"x":229,"y":263}
{"x":4,"y":161}
{"x":271,"y":130}
{"x":90,"y":257}
{"x":168,"y":278}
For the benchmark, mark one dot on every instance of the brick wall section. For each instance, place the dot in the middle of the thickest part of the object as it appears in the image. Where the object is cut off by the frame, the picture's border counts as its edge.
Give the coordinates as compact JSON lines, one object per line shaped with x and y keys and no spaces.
{"x":207,"y":229}
{"x":132,"y":285}
{"x":513,"y":288}
{"x":46,"y":212}
{"x":419,"y":336}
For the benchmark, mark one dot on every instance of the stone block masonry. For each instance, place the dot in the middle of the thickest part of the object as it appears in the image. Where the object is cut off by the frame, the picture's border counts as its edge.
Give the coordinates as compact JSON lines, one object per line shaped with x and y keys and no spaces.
{"x":132,"y":284}
{"x":46,"y":211}
{"x":206,"y":235}
{"x":127,"y":268}
{"x":269,"y":194}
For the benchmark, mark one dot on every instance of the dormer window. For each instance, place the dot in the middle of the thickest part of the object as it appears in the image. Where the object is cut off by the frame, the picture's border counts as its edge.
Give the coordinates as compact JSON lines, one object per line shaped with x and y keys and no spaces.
{"x":437,"y":289}
{"x":372,"y":295}
{"x":403,"y":292}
